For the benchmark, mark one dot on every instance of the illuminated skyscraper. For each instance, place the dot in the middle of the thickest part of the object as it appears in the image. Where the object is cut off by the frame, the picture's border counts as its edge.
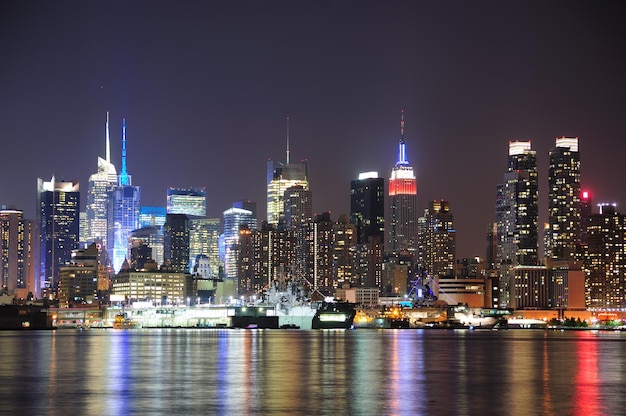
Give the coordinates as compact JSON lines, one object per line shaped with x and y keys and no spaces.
{"x":605,"y":259}
{"x":58,"y":205}
{"x":437,"y":239}
{"x":367,"y":213}
{"x":403,"y":201}
{"x":203,"y":241}
{"x":13,"y":244}
{"x":517,"y":213}
{"x":234,"y":220}
{"x":176,"y":242}
{"x":564,"y":199}
{"x":124,"y":208}
{"x":99,"y":189}
{"x":188,"y":201}
{"x":281,"y":176}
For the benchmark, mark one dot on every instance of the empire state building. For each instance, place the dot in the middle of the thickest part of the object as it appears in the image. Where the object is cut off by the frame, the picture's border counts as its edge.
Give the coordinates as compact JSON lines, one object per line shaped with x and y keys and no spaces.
{"x":403,"y":201}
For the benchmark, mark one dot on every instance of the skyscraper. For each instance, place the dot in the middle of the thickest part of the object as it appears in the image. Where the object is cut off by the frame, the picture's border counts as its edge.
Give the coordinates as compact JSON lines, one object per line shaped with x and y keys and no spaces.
{"x":605,"y":259}
{"x":281,"y":176}
{"x":188,"y":201}
{"x":58,"y":205}
{"x":124,"y":208}
{"x":234,"y":220}
{"x":99,"y":189}
{"x":564,"y":199}
{"x":176,"y":242}
{"x":203,"y":241}
{"x":13,"y":242}
{"x":403,"y":201}
{"x":438,"y":239}
{"x":367,"y":213}
{"x":517,"y":215}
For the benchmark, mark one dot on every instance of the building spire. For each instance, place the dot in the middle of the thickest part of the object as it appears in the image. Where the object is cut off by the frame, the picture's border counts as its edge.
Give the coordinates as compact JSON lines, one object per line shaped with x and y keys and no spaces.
{"x":124,"y":176}
{"x":287,"y":139}
{"x":106,"y":137}
{"x":402,"y":146}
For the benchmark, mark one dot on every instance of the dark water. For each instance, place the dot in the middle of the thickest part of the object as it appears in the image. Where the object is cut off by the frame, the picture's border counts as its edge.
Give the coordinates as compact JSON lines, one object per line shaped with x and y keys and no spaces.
{"x":290,"y":372}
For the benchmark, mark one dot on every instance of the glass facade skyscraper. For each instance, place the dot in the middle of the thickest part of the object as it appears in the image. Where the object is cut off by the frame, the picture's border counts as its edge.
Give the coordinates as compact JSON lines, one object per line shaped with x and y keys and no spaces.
{"x":58,"y":205}
{"x":188,"y":201}
{"x":280,"y":177}
{"x":99,"y":190}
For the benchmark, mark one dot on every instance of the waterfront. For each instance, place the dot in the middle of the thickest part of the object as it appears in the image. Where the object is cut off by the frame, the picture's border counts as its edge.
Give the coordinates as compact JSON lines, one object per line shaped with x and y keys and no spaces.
{"x":273,"y":372}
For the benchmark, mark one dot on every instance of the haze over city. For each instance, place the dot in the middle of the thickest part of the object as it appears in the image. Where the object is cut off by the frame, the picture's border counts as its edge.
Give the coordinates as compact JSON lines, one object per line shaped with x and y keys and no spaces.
{"x":206,"y":87}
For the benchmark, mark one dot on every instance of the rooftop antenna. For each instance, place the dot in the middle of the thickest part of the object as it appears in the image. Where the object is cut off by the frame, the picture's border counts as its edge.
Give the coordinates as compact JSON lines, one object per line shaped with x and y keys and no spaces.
{"x":402,"y":146}
{"x":108,"y":145}
{"x":124,"y":176}
{"x":287,"y":139}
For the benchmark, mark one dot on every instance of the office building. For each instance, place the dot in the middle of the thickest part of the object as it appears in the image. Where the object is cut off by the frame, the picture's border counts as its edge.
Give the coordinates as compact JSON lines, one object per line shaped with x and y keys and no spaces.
{"x":367,"y":213}
{"x":437,"y":240}
{"x":13,"y":246}
{"x":188,"y":201}
{"x":176,"y":242}
{"x":57,"y":223}
{"x":124,"y":206}
{"x":234,"y":219}
{"x":204,"y":241}
{"x":99,"y":190}
{"x":403,"y":201}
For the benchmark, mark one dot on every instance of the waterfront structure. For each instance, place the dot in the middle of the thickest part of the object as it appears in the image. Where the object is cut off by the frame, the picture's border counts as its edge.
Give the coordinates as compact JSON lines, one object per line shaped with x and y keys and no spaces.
{"x":99,"y":190}
{"x":176,"y":242}
{"x":517,"y":211}
{"x":403,"y":201}
{"x":124,"y":206}
{"x":78,"y":279}
{"x":204,"y":240}
{"x":57,"y":223}
{"x":367,"y":213}
{"x":437,"y":240}
{"x":158,"y":286}
{"x":188,"y":201}
{"x":13,"y":250}
{"x":605,"y":259}
{"x":564,"y":200}
{"x":281,"y":176}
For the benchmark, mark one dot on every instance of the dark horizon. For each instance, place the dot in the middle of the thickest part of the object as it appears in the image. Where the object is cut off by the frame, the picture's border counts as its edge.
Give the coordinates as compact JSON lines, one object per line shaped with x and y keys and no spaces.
{"x":205,"y":88}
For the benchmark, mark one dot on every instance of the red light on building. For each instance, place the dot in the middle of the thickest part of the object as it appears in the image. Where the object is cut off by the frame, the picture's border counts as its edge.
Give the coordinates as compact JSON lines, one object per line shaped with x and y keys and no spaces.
{"x":585,"y":194}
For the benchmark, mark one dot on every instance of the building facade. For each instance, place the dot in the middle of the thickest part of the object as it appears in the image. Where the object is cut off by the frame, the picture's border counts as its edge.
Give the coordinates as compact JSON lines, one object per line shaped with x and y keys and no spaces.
{"x":188,"y":201}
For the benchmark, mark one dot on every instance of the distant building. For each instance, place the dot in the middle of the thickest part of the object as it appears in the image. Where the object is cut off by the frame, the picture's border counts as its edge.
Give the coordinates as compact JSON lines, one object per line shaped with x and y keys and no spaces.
{"x":564,"y":200}
{"x":124,"y":205}
{"x":403,"y":202}
{"x":234,"y":219}
{"x":281,"y":176}
{"x":58,"y":205}
{"x":437,"y":240}
{"x":204,"y":240}
{"x":158,"y":286}
{"x":517,"y":211}
{"x":152,"y":216}
{"x":78,"y":279}
{"x":13,"y":250}
{"x":176,"y":242}
{"x":367,"y":213}
{"x":188,"y":201}
{"x":99,"y":190}
{"x":605,"y":259}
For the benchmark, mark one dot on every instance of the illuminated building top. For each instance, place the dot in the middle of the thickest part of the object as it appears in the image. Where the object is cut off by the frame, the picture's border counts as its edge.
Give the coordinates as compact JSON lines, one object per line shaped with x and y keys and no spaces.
{"x":518,"y":147}
{"x":568,"y":142}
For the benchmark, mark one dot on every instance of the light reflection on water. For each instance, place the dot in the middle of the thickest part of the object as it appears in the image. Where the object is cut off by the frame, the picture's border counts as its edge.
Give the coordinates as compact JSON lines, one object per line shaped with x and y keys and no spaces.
{"x":364,"y":372}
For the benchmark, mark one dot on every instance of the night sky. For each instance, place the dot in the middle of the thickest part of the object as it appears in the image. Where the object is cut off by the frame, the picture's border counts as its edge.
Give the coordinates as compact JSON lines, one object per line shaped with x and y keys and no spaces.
{"x":206,"y":87}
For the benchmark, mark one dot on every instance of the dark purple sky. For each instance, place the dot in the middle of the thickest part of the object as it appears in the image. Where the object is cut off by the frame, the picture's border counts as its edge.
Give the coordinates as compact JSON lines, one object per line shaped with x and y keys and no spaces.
{"x":206,"y":86}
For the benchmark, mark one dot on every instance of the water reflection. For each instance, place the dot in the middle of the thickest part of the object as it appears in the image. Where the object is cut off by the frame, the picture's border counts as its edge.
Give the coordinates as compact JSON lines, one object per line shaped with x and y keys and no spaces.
{"x":365,"y":372}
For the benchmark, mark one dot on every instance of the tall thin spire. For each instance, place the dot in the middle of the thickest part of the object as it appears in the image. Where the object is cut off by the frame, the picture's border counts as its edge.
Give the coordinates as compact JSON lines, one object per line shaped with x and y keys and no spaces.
{"x":287,"y":139}
{"x":108,"y":145}
{"x":402,"y":146}
{"x":124,"y":176}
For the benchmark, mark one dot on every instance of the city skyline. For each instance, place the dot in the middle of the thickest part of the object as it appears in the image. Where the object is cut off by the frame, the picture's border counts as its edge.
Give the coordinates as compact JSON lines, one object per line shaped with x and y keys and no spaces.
{"x":206,"y":88}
